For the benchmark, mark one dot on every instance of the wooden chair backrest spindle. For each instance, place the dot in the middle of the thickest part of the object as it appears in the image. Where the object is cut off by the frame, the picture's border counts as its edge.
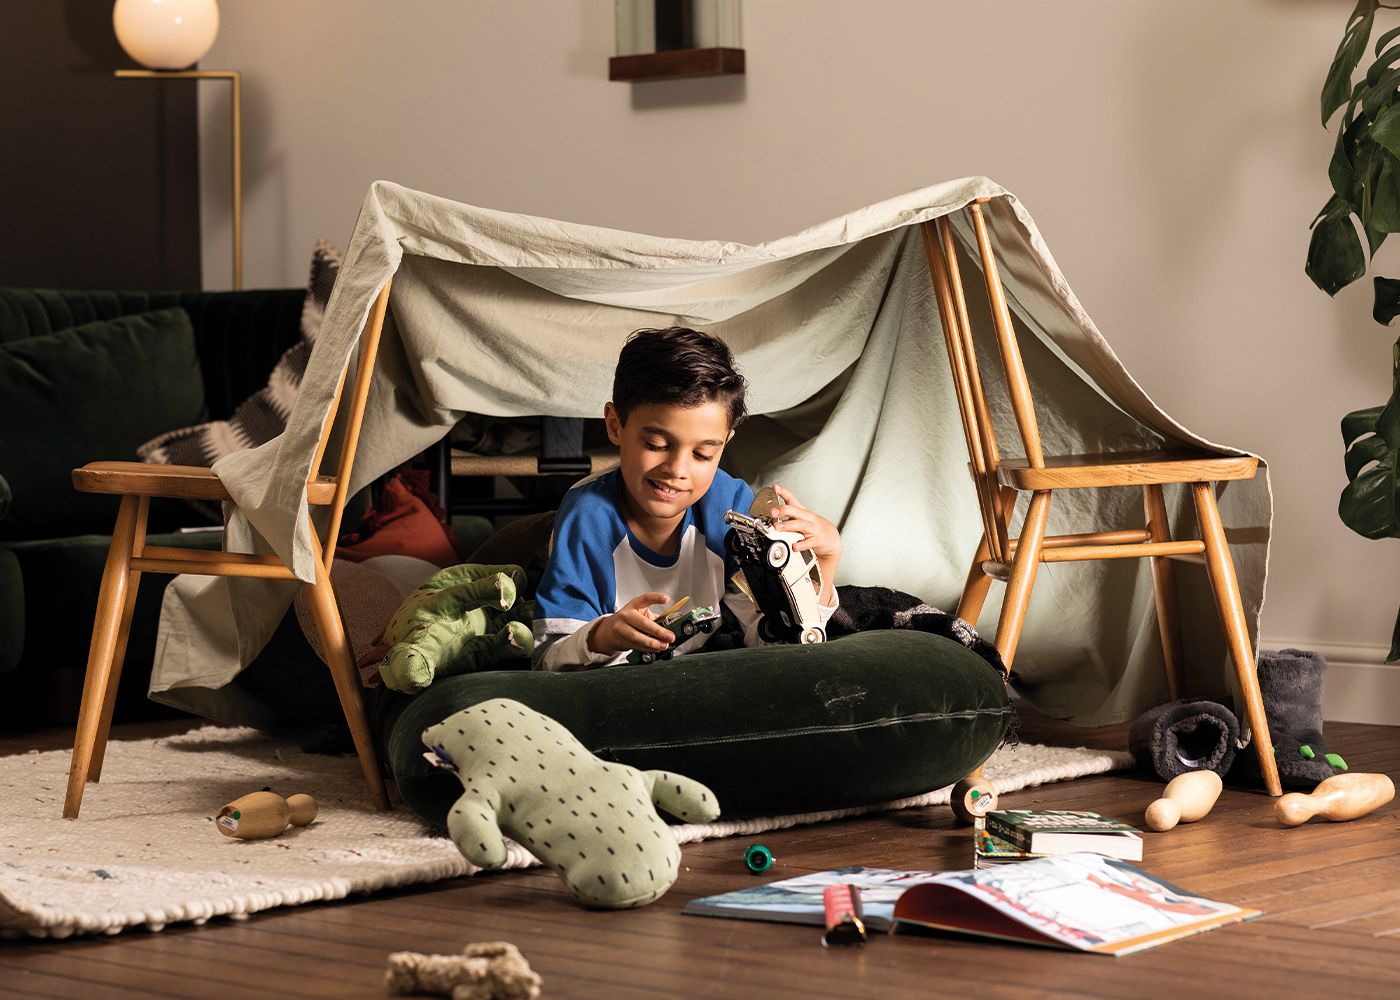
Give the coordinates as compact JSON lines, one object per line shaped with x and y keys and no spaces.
{"x":1022,"y":405}
{"x":984,"y":455}
{"x":359,"y":396}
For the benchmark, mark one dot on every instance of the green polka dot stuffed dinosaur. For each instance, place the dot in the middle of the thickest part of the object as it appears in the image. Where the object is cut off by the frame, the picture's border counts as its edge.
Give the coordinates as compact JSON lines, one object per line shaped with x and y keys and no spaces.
{"x":595,"y":824}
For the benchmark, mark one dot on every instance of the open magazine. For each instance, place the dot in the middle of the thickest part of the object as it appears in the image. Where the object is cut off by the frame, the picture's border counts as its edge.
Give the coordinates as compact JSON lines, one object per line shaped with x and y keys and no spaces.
{"x":799,"y":900}
{"x":1083,"y":901}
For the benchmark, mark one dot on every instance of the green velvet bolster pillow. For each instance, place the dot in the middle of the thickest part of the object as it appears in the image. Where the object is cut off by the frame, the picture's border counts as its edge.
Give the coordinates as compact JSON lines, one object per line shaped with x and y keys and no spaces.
{"x":772,"y":730}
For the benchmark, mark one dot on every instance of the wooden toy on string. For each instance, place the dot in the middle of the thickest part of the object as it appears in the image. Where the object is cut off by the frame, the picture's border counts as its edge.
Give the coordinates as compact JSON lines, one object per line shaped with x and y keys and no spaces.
{"x":264,"y":814}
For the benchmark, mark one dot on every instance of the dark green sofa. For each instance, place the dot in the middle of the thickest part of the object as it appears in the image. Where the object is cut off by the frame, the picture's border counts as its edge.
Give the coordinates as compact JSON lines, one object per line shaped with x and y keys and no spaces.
{"x":49,"y":582}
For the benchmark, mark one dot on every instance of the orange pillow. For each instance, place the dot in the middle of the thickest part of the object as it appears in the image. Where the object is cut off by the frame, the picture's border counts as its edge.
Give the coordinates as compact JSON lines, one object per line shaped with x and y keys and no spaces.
{"x":402,"y":522}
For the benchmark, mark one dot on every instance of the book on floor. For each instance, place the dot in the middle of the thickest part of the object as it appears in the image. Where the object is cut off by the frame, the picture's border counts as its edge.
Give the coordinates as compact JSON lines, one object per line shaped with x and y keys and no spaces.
{"x":1084,"y":901}
{"x":989,"y":850}
{"x":798,"y":900}
{"x":1063,"y":831}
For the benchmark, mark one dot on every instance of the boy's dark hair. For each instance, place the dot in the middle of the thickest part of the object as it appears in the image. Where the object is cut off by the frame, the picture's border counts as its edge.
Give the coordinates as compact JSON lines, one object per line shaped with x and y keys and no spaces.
{"x":677,"y":366}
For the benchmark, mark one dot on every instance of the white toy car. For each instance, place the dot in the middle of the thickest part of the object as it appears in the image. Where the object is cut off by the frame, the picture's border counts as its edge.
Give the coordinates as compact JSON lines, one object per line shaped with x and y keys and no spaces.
{"x":785,"y":583}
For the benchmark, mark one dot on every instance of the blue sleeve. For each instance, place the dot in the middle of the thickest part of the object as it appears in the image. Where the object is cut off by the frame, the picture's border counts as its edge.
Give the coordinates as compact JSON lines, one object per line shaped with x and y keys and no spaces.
{"x":578,"y":584}
{"x":726,"y":493}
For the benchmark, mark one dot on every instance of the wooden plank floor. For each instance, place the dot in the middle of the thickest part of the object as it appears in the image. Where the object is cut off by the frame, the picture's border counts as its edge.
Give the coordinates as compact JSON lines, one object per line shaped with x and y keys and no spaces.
{"x":1330,"y":892}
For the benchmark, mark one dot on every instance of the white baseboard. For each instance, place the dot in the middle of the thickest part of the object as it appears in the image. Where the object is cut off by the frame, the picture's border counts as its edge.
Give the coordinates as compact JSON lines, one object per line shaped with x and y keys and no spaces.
{"x":1360,"y":686}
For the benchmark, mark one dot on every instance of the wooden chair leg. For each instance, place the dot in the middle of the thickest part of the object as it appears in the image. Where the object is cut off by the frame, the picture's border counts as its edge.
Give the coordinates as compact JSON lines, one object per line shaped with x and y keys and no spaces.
{"x":974,"y":593}
{"x":978,"y":583}
{"x":109,"y":703}
{"x":1022,"y":581}
{"x":1221,"y":568}
{"x":111,"y":603}
{"x":1164,"y":589}
{"x":326,"y":614}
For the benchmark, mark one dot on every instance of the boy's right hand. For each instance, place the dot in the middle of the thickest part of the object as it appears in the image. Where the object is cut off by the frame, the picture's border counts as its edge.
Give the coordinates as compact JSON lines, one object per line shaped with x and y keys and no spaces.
{"x":633,"y":626}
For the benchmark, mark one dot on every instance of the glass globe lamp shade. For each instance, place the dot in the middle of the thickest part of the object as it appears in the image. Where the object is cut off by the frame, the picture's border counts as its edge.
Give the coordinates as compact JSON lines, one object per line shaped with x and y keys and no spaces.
{"x":166,"y":34}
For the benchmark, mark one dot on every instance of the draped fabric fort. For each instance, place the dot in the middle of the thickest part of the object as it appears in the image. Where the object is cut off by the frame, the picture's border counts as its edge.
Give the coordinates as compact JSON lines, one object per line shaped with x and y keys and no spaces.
{"x":837,"y":331}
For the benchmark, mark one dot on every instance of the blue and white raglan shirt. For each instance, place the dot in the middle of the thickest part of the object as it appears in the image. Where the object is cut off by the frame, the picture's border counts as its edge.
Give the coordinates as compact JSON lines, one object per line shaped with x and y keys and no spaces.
{"x":596,"y":565}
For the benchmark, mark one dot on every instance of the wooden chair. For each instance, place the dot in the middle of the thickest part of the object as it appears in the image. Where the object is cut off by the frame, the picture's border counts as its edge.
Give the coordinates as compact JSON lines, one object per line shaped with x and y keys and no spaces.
{"x":129,"y":557}
{"x":1015,"y":559}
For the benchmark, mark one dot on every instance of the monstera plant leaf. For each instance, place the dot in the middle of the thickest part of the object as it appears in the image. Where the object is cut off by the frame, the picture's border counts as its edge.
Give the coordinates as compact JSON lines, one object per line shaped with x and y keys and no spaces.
{"x":1335,"y":257}
{"x":1370,"y":503}
{"x":1365,"y":165}
{"x":1349,"y":53}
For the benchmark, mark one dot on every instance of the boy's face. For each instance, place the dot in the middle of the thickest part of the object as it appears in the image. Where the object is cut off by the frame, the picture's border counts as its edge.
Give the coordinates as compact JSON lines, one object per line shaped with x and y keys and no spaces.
{"x":669,"y":454}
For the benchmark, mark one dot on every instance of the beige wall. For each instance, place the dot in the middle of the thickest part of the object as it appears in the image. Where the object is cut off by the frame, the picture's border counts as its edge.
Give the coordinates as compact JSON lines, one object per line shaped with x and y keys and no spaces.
{"x":1170,"y":152}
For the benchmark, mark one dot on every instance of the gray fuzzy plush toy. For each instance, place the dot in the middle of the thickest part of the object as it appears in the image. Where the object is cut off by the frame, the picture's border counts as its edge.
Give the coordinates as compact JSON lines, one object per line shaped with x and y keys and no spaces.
{"x":1185,"y":735}
{"x":1191,"y":735}
{"x":1291,"y":684}
{"x":595,"y":824}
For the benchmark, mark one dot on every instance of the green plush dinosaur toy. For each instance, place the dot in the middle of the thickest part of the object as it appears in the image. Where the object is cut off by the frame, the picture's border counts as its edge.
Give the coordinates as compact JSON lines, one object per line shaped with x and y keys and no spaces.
{"x":461,"y":619}
{"x":593,"y":823}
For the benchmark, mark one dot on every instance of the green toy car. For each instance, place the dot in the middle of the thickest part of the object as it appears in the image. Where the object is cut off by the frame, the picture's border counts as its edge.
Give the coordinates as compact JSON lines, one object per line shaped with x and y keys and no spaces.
{"x":683,"y":624}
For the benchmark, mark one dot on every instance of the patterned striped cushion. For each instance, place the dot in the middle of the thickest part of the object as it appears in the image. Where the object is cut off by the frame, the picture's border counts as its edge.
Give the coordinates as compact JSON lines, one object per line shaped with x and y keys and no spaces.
{"x":263,"y":415}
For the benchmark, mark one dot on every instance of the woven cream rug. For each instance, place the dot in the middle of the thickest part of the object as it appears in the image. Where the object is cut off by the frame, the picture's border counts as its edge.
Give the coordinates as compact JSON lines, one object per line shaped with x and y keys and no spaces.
{"x":145,"y":851}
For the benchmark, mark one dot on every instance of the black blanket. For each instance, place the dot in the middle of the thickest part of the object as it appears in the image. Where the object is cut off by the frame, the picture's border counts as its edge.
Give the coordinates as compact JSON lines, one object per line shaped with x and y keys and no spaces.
{"x":866,"y":609}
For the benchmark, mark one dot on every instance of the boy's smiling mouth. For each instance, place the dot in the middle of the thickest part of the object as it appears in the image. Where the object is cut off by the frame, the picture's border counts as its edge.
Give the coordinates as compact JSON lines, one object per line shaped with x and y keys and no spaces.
{"x":663,"y":490}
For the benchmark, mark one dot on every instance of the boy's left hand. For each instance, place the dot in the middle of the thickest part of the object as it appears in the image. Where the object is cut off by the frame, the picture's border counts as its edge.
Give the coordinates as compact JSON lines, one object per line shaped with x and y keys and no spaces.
{"x":818,"y":534}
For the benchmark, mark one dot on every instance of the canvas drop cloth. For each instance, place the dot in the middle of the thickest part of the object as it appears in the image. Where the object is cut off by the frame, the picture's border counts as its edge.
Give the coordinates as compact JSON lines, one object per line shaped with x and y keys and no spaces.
{"x":837,"y":331}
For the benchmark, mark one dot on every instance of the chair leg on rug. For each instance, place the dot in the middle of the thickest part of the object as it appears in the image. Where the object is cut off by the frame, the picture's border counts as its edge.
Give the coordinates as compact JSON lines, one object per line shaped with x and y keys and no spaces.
{"x":1164,"y":589}
{"x":1022,"y":582}
{"x":106,"y":628}
{"x":341,"y":661}
{"x":1225,"y":586}
{"x":109,"y":703}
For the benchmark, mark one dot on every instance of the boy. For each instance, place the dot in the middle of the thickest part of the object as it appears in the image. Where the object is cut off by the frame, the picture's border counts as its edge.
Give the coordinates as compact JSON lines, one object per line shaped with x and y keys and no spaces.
{"x":629,"y":541}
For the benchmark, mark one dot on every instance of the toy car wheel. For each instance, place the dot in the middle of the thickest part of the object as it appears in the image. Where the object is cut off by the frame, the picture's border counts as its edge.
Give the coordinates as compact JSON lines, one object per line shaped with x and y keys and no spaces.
{"x":731,"y":543}
{"x":665,"y":654}
{"x":707,"y":627}
{"x":688,"y":629}
{"x":813,"y":635}
{"x":646,"y":657}
{"x":765,"y":630}
{"x":778,"y":554}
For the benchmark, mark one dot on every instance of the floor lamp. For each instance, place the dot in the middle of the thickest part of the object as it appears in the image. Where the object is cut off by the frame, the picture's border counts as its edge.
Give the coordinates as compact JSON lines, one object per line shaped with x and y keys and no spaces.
{"x":235,"y":78}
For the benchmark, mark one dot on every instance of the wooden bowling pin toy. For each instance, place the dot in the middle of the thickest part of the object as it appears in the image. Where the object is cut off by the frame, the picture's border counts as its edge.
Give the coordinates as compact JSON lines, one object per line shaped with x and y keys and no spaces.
{"x":1340,"y":797}
{"x":1187,"y":798}
{"x":264,"y":814}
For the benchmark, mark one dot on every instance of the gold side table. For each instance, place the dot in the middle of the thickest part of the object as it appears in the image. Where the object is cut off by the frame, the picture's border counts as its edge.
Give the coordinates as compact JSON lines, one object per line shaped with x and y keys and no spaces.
{"x":234,"y":77}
